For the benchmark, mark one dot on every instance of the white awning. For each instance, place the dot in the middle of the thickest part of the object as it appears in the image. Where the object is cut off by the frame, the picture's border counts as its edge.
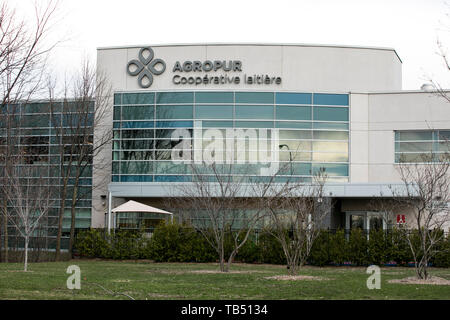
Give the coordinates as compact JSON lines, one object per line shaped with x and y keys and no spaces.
{"x":133,"y":206}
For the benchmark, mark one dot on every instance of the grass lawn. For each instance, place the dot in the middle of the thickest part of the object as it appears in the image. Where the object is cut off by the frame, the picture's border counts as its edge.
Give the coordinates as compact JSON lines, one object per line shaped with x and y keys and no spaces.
{"x":147,"y":280}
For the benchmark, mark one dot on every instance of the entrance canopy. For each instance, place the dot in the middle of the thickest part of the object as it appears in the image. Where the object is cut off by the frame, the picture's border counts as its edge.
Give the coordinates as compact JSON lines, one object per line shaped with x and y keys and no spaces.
{"x":133,"y":206}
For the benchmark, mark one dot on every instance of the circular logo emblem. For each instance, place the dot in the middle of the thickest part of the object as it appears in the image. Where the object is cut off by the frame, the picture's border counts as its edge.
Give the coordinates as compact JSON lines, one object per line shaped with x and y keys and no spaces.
{"x":145,"y":67}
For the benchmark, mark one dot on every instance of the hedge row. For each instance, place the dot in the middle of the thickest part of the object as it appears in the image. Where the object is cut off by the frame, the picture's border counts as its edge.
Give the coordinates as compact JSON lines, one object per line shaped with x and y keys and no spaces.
{"x":176,"y":243}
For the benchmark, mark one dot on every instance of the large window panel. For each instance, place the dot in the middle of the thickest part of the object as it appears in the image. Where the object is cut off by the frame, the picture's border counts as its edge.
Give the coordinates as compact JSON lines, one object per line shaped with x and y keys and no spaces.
{"x":328,"y":99}
{"x":214,"y":97}
{"x":175,"y":97}
{"x":254,"y":112}
{"x":174,"y":112}
{"x":330,"y":114}
{"x":329,"y":157}
{"x":136,"y":167}
{"x":330,"y":146}
{"x":214,"y":112}
{"x":293,"y":113}
{"x":137,"y":112}
{"x":293,"y":98}
{"x":331,"y":169}
{"x":295,"y":134}
{"x":138,"y":98}
{"x":254,"y":97}
{"x":330,"y":135}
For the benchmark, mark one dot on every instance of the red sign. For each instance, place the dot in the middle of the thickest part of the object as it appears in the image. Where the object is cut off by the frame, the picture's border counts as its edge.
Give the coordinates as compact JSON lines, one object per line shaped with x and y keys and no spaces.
{"x":401,"y":218}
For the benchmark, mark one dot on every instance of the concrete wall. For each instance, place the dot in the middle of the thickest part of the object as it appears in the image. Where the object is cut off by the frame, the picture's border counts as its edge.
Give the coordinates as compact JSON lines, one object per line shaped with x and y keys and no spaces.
{"x":399,"y":111}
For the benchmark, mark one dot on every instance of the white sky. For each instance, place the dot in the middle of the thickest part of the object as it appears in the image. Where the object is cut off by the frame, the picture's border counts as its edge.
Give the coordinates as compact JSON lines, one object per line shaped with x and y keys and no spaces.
{"x":412,"y":27}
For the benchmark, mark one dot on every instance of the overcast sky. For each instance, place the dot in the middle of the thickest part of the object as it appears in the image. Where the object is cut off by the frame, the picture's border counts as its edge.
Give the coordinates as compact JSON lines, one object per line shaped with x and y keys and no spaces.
{"x":411,"y":27}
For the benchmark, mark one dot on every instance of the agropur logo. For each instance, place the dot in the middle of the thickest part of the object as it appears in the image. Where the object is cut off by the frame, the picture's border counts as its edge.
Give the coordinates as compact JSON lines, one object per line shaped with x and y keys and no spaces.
{"x":145,"y":67}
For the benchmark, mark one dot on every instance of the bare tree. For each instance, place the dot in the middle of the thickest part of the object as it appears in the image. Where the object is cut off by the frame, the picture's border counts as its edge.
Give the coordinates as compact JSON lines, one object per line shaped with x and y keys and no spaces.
{"x":218,"y":207}
{"x":28,"y":200}
{"x":296,"y":213}
{"x":74,"y":119}
{"x":23,"y":53}
{"x":426,"y":195}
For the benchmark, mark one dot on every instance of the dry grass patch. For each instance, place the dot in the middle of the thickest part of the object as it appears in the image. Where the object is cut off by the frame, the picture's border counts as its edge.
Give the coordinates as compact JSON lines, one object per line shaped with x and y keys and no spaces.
{"x":296,"y":278}
{"x":414,"y":280}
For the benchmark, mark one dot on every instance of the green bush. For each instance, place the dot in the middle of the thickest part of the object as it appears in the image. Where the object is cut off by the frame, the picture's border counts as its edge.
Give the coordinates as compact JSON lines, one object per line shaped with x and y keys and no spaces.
{"x":338,"y":247}
{"x":172,"y":242}
{"x":320,"y":255}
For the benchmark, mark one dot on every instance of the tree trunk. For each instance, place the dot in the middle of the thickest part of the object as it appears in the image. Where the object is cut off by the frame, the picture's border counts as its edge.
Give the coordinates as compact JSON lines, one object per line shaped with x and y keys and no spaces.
{"x":25,"y":264}
{"x":5,"y":233}
{"x":72,"y":216}
{"x":60,"y":223}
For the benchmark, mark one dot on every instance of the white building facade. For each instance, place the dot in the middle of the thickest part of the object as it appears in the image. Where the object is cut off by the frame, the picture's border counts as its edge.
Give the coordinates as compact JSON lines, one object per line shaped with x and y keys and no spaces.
{"x":336,"y":107}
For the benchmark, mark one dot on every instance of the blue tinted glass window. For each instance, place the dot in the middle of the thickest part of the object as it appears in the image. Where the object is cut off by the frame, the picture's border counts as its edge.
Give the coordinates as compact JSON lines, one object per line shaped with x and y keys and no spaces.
{"x":254,"y":112}
{"x":137,"y":112}
{"x":331,"y":169}
{"x":331,"y":99}
{"x":214,"y":97}
{"x":174,"y":112}
{"x":116,"y":113}
{"x":254,"y":97}
{"x":254,"y":124}
{"x":214,"y":112}
{"x":293,"y":113}
{"x":293,"y":125}
{"x":330,"y":114}
{"x":174,"y":124}
{"x":173,"y":178}
{"x":175,"y":97}
{"x":330,"y":125}
{"x":137,"y":124}
{"x":293,"y":98}
{"x":217,"y":124}
{"x":138,"y":98}
{"x":115,"y":178}
{"x":117,"y":98}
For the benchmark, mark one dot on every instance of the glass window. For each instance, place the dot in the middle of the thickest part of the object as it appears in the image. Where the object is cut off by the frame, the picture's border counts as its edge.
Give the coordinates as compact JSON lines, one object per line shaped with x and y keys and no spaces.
{"x":331,"y":169}
{"x":254,"y":124}
{"x":330,"y":135}
{"x":214,"y":97}
{"x":137,"y":112}
{"x":415,"y":146}
{"x":356,"y":221}
{"x":174,"y":112}
{"x":217,"y":124}
{"x":330,"y":157}
{"x":295,"y":134}
{"x":137,"y":124}
{"x":173,"y":178}
{"x":137,"y":144}
{"x":331,"y":99}
{"x":138,"y":98}
{"x":330,"y":125}
{"x":136,"y":155}
{"x":214,"y":112}
{"x":175,"y":97}
{"x":293,"y":113}
{"x":254,"y":97}
{"x":330,"y":114}
{"x":136,"y":167}
{"x":137,"y":134}
{"x":139,"y":178}
{"x":117,"y":98}
{"x":168,"y":167}
{"x":415,"y":135}
{"x":293,"y":98}
{"x":293,"y":125}
{"x":285,"y":155}
{"x":295,"y":145}
{"x":254,"y":112}
{"x":330,"y":146}
{"x":174,"y":124}
{"x":116,"y":113}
